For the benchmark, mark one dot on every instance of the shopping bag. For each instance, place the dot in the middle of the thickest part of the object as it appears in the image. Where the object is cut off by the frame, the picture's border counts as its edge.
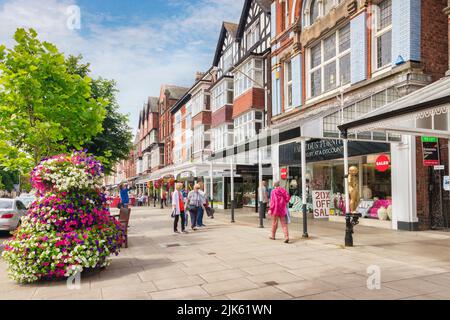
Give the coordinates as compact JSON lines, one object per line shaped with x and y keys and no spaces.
{"x":173,"y":213}
{"x":288,"y":216}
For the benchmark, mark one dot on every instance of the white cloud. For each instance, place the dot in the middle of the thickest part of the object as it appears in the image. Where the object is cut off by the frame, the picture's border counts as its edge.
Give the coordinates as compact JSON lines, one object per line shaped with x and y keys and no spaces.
{"x":140,"y":57}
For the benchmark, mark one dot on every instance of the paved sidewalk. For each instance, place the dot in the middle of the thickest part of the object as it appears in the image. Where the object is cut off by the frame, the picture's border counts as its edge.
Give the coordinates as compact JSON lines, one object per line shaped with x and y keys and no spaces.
{"x":238,"y":261}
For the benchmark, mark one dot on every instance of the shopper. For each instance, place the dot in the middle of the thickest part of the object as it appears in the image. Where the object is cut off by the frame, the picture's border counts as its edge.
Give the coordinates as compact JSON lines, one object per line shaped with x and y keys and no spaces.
{"x":178,"y":208}
{"x":124,"y":197}
{"x":195,"y":202}
{"x":201,"y":210}
{"x":279,"y":200}
{"x":262,"y":192}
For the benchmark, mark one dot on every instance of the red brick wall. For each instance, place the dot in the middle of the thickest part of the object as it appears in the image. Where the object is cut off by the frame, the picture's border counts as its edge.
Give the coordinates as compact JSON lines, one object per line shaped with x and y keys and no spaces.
{"x":252,"y":99}
{"x":201,"y":118}
{"x":223,"y":115}
{"x":434,"y":38}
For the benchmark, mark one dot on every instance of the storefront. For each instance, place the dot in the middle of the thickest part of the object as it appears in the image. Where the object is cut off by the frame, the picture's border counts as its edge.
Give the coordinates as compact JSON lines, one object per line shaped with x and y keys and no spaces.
{"x":326,"y":178}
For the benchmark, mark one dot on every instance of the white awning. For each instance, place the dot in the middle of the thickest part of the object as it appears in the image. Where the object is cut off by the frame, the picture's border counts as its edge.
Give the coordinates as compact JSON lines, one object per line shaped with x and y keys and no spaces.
{"x":423,"y":112}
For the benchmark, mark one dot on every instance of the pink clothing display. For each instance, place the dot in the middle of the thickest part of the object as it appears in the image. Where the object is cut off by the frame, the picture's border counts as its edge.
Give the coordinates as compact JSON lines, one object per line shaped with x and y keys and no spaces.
{"x":278,"y":202}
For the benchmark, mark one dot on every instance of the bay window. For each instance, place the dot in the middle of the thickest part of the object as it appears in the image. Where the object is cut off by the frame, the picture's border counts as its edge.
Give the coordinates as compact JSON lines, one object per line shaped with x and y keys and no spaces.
{"x":222,"y":95}
{"x":329,"y":65}
{"x":247,"y":126}
{"x":197,"y":103}
{"x":201,"y":138}
{"x":222,"y":137}
{"x":227,"y":59}
{"x":383,"y":34}
{"x":252,"y":69}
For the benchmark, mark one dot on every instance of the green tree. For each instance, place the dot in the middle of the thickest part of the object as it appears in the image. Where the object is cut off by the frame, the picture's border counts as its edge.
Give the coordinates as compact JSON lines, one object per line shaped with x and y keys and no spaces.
{"x":115,"y":141}
{"x":44,"y":108}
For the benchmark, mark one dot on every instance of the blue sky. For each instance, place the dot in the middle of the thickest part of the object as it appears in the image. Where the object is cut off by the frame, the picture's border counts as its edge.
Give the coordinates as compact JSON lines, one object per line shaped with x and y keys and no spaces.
{"x":139,"y":43}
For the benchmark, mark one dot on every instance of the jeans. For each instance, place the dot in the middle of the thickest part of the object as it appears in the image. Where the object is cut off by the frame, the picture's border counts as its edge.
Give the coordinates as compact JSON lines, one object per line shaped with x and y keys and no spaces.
{"x":200,"y":217}
{"x":283,"y":225}
{"x":183,"y":222}
{"x":263,"y":208}
{"x":194,"y":217}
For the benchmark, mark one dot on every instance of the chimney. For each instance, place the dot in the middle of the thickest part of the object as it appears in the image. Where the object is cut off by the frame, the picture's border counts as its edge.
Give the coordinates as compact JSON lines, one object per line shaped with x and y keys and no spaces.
{"x":199,"y":75}
{"x":447,"y":12}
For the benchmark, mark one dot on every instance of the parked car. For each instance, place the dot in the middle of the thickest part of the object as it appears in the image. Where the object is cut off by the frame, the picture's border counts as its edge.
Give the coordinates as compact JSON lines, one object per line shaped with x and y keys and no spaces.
{"x":11,"y":211}
{"x":27,"y":199}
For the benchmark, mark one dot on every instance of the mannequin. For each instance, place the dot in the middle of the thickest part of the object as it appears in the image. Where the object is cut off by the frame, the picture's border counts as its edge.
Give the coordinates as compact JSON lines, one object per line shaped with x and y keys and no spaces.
{"x":353,"y":185}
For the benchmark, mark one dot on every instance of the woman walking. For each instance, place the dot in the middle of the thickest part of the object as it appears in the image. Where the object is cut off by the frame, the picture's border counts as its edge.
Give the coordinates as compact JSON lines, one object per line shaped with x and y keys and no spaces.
{"x":278,"y":210}
{"x":195,"y":203}
{"x":178,"y":208}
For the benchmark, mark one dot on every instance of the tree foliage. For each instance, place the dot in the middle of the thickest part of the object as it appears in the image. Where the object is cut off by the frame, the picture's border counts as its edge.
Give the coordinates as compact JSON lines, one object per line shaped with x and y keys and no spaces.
{"x":115,"y":141}
{"x":44,"y":108}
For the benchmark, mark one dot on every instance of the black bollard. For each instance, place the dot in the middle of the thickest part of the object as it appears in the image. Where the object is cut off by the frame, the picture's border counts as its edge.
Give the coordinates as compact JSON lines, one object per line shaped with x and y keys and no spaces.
{"x":351,"y":220}
{"x":233,"y":205}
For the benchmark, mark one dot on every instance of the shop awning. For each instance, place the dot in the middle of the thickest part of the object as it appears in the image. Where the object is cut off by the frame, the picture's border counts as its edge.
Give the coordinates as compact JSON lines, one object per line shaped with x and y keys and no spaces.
{"x":421,"y":113}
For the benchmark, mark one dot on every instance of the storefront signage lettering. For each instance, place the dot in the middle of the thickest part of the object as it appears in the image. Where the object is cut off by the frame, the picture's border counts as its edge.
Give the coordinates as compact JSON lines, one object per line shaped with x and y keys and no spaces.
{"x":321,"y":204}
{"x":430,"y":147}
{"x":382,"y":163}
{"x":439,"y":168}
{"x":328,"y":149}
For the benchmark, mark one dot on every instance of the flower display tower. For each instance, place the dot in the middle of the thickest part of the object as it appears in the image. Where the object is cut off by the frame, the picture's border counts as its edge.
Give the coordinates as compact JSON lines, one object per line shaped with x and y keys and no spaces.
{"x":69,"y":228}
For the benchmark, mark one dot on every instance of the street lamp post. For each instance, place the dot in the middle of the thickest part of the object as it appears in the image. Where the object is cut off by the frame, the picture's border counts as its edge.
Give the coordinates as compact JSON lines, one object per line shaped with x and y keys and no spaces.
{"x":232,"y":188}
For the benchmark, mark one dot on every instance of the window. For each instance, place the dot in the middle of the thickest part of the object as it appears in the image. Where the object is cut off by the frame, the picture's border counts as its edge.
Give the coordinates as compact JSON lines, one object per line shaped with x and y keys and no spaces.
{"x":253,"y":35}
{"x":247,"y":126}
{"x":197,"y":103}
{"x":383,"y":34}
{"x":319,"y":8}
{"x":252,"y":69}
{"x":285,"y":11}
{"x":201,"y":138}
{"x":228,"y":59}
{"x":222,"y":95}
{"x":288,"y":84}
{"x":222,"y":137}
{"x":330,"y":62}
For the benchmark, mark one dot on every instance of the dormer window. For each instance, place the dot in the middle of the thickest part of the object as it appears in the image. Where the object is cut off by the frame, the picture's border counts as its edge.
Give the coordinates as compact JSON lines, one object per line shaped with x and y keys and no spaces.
{"x":318,"y":8}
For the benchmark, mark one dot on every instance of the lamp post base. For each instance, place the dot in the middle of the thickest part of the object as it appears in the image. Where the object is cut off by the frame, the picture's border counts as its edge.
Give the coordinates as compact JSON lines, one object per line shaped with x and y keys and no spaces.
{"x":351,"y":220}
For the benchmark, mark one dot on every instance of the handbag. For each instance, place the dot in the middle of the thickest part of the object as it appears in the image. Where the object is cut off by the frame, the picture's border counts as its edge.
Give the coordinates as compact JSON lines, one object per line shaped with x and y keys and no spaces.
{"x":173,"y":213}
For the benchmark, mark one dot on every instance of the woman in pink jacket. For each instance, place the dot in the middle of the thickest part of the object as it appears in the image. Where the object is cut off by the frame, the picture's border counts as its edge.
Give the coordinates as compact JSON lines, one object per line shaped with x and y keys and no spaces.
{"x":279,"y":199}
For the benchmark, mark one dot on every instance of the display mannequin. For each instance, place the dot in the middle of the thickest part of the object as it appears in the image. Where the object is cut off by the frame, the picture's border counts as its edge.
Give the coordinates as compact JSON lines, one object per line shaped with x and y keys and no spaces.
{"x":353,"y":185}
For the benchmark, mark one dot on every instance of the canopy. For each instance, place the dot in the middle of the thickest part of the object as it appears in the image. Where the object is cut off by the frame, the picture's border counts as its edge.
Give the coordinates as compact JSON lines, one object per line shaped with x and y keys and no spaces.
{"x":423,"y":112}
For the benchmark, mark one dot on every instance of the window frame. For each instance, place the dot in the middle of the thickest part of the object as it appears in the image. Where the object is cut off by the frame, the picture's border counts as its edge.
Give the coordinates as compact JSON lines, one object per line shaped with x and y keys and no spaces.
{"x":336,"y":59}
{"x":242,"y":83}
{"x":288,"y":85}
{"x":245,"y":126}
{"x":377,"y":34}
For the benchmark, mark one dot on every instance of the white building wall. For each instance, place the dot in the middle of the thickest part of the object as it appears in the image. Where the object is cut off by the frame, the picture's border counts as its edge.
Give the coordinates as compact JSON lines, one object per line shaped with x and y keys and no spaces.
{"x":403,"y":158}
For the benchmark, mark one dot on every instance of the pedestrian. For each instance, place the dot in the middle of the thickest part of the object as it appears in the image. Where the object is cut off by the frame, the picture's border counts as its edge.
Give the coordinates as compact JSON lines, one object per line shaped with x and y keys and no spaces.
{"x":264,"y":198}
{"x":279,"y":200}
{"x":124,"y":197}
{"x":195,"y":202}
{"x":178,"y":209}
{"x":155,"y":198}
{"x":201,"y":210}
{"x":162,"y":198}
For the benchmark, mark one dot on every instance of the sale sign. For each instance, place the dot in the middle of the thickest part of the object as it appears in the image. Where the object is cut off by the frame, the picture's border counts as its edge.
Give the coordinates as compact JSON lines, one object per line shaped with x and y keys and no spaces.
{"x":321,"y":204}
{"x":382,"y":163}
{"x":284,"y":173}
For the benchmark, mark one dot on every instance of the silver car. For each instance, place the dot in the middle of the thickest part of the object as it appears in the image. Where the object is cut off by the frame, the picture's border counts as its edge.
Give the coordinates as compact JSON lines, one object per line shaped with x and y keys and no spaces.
{"x":10,"y":213}
{"x":27,"y":199}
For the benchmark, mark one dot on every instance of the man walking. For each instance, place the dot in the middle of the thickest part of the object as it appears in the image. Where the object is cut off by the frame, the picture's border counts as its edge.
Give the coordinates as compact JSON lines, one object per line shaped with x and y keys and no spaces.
{"x":263,"y":199}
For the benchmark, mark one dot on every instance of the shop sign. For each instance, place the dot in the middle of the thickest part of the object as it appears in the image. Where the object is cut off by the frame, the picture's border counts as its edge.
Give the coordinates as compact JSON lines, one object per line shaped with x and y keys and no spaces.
{"x":284,"y":173}
{"x":439,"y":168}
{"x":430,"y":148}
{"x":447,"y":183}
{"x":382,"y":163}
{"x":321,"y":204}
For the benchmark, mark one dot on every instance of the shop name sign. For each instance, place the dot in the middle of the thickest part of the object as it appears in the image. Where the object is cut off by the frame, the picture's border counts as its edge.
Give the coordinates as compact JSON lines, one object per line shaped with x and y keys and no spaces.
{"x":324,"y":148}
{"x":430,"y":147}
{"x":321,"y":204}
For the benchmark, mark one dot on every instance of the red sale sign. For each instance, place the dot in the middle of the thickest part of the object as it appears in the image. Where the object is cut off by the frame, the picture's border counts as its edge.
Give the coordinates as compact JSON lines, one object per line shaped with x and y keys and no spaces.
{"x":383,"y":163}
{"x":284,"y":173}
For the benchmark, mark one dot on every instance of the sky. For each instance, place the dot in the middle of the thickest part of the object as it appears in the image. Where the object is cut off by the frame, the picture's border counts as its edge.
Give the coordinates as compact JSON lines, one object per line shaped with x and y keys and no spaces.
{"x":139,"y":43}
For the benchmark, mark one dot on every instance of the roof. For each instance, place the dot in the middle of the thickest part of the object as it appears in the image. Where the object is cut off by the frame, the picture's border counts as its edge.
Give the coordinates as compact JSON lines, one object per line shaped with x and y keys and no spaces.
{"x":431,"y":96}
{"x":175,"y":92}
{"x":152,"y":104}
{"x":263,"y":4}
{"x":231,"y":29}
